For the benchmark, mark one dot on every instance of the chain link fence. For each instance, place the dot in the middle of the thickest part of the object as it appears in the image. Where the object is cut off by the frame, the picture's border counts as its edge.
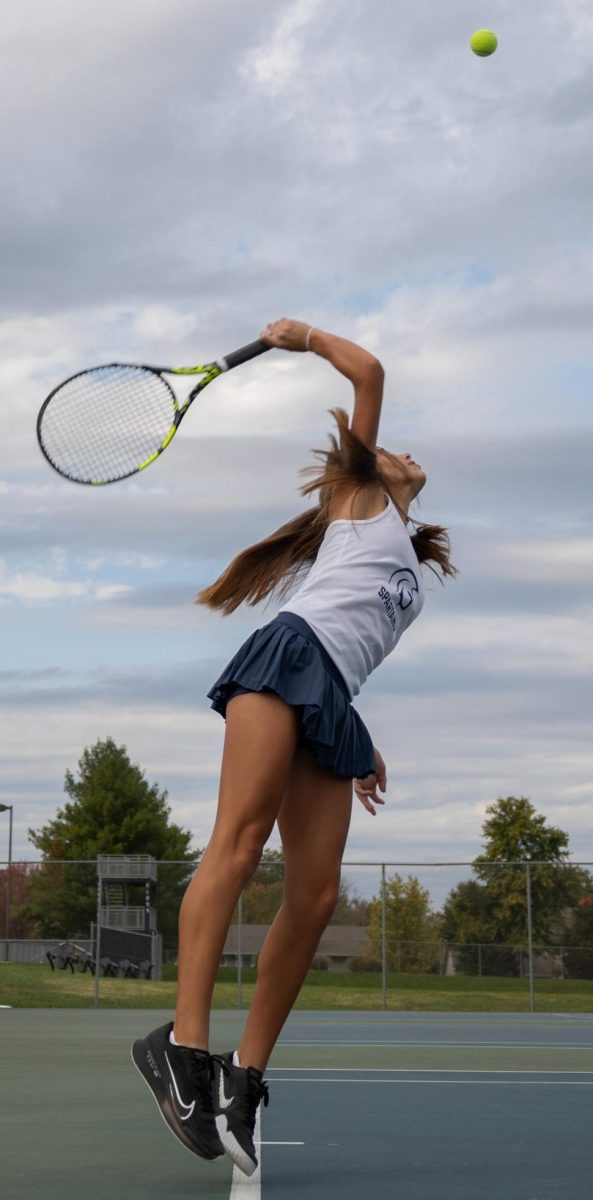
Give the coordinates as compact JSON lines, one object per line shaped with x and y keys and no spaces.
{"x":397,"y":925}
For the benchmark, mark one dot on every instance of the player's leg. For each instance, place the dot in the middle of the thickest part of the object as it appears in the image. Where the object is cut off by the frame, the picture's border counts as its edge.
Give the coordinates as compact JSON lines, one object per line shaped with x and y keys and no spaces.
{"x":260,"y":742}
{"x":261,"y":737}
{"x":314,"y":819}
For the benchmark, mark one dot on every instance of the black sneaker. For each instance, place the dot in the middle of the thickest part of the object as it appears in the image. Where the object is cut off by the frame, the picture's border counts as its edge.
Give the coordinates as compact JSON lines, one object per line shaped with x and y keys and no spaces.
{"x":180,"y":1081}
{"x":236,"y":1093}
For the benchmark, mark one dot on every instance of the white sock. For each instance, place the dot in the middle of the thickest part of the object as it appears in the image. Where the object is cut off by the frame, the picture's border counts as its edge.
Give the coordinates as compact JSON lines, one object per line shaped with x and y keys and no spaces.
{"x":174,"y":1042}
{"x":236,"y":1062}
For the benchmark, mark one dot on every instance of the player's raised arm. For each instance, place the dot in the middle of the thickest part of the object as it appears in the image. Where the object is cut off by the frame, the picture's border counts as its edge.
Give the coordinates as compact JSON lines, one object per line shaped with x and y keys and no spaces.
{"x":361,"y":367}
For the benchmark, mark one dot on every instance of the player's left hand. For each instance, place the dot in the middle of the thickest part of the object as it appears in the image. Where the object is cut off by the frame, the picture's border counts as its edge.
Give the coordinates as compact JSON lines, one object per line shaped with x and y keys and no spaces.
{"x":366,"y":789}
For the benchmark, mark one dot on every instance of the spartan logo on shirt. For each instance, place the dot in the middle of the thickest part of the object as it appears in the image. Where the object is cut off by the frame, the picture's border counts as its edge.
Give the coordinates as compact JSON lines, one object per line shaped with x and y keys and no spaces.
{"x":405,"y":586}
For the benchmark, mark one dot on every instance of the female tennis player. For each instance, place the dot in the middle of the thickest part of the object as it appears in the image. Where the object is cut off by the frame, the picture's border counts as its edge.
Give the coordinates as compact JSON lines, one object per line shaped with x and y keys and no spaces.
{"x":294,"y":746}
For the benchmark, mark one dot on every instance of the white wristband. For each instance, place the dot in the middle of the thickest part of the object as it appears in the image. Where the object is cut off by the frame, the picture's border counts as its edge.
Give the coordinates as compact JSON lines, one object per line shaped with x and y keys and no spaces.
{"x":308,"y":338}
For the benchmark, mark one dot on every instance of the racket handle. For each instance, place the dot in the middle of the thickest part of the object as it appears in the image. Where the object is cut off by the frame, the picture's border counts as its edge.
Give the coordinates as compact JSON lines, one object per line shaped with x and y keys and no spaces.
{"x":236,"y":357}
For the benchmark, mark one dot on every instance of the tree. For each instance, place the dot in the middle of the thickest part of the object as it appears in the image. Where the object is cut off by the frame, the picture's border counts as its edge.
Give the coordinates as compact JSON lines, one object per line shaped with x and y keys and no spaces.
{"x":467,"y":914}
{"x":469,"y":923}
{"x":578,"y":937}
{"x":112,"y":810}
{"x":410,"y":924}
{"x":21,"y":875}
{"x":263,"y":895}
{"x":515,"y":832}
{"x":351,"y":909}
{"x":493,"y":907}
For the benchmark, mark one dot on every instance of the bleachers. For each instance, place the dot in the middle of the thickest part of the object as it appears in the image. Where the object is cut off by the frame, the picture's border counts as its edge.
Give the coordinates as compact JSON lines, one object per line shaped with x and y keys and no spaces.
{"x":67,"y":956}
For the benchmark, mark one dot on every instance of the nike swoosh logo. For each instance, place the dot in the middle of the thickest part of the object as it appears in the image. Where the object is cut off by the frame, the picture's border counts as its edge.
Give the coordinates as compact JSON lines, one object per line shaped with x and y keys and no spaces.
{"x":224,"y":1103}
{"x":189,"y":1108}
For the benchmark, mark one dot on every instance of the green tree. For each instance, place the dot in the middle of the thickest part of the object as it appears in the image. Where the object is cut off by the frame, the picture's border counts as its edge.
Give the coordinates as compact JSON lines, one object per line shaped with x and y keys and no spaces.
{"x":410,"y":924}
{"x":467,"y":914}
{"x":112,"y":809}
{"x":515,"y":832}
{"x":492,"y":909}
{"x":469,"y":922}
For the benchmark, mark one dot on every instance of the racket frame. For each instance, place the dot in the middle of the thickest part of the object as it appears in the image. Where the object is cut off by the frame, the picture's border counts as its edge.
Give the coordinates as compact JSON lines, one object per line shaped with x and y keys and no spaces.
{"x":208,"y":371}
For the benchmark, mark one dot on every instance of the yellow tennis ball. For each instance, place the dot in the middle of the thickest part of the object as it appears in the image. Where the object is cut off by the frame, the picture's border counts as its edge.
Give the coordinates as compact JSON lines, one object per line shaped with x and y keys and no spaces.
{"x":483,"y":42}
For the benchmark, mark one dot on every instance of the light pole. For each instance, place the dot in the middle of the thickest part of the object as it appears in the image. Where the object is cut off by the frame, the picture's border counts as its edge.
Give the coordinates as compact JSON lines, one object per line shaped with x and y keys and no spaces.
{"x":8,"y":808}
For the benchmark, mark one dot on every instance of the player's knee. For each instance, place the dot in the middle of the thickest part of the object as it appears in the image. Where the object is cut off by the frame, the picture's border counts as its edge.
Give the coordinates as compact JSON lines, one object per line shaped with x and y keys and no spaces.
{"x":315,"y":902}
{"x":246,"y":850}
{"x":327,"y":901}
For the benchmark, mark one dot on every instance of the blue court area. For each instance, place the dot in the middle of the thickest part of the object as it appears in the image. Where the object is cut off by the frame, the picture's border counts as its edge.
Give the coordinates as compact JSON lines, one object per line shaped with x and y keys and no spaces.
{"x":415,"y":1106}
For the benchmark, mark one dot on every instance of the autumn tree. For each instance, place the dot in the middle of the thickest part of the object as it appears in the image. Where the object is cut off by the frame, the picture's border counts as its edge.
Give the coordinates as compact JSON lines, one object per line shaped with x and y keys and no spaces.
{"x":263,"y":895}
{"x":578,"y":938}
{"x":412,"y":927}
{"x":21,"y":875}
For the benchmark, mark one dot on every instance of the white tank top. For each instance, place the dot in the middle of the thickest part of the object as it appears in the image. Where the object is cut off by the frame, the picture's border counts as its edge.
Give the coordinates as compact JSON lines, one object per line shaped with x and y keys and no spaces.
{"x":362,"y":591}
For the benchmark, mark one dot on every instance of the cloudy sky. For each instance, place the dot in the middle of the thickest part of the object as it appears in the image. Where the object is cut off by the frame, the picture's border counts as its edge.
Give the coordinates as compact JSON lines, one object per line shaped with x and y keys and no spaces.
{"x":174,"y":176}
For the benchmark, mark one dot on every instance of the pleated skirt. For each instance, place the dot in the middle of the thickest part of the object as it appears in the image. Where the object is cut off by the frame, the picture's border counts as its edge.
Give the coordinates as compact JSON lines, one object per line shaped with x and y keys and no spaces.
{"x":286,"y":657}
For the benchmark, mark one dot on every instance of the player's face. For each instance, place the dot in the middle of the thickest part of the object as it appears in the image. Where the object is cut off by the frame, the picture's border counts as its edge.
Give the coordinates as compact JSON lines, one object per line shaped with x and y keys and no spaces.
{"x":402,"y":470}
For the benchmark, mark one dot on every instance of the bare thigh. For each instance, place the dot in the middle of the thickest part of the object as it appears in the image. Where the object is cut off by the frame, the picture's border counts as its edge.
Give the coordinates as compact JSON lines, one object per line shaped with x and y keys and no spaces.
{"x":313,"y":821}
{"x":261,"y":737}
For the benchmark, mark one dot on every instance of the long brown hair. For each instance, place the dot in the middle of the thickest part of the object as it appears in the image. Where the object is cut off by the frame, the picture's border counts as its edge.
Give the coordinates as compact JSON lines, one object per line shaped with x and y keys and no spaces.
{"x":274,"y":564}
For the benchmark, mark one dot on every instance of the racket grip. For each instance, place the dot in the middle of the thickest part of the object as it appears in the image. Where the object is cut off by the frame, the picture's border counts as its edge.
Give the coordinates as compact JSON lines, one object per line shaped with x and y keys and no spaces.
{"x":236,"y":357}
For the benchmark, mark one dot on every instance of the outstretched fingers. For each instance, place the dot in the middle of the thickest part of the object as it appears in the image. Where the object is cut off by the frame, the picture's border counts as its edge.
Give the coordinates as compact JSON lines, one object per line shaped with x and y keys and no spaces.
{"x":366,"y":788}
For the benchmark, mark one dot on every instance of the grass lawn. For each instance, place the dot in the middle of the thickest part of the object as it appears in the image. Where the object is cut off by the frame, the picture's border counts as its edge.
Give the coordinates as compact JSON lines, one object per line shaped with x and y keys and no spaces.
{"x":35,"y":985}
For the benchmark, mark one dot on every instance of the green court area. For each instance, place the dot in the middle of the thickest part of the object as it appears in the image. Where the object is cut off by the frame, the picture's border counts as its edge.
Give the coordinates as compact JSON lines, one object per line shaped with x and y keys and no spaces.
{"x":34,"y":985}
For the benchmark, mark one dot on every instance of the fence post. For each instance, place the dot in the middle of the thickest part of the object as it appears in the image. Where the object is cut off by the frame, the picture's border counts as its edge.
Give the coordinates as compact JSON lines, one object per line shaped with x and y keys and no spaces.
{"x":480,"y":960}
{"x":529,"y":937}
{"x":98,"y":934}
{"x":240,"y":952}
{"x":384,"y":936}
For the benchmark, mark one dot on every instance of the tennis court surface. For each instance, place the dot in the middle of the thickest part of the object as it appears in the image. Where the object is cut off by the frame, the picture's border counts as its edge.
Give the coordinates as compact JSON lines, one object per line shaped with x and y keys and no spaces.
{"x":415,"y":1106}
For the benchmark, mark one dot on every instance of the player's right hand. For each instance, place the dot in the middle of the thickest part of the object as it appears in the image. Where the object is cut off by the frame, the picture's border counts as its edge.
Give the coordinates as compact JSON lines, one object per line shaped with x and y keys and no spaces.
{"x":366,"y":789}
{"x":286,"y":334}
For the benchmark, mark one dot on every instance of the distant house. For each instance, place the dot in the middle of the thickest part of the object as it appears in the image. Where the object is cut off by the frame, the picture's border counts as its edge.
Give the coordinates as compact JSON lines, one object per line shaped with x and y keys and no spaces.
{"x":339,"y":943}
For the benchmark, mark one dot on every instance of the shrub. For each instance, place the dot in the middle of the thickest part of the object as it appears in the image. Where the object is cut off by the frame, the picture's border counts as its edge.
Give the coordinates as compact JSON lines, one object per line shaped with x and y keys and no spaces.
{"x":365,"y":964}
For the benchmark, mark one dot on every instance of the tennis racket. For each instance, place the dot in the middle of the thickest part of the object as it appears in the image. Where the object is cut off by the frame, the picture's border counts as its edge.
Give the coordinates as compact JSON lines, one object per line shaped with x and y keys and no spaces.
{"x":110,"y":422}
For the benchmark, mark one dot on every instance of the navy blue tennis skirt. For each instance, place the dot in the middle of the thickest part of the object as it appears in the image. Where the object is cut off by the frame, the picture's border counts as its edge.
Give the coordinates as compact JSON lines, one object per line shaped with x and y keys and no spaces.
{"x":286,"y":657}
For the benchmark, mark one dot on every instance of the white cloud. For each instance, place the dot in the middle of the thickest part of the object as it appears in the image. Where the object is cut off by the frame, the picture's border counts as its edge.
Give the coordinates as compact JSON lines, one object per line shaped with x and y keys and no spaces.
{"x":34,"y":587}
{"x":572,"y":557}
{"x":273,"y":65}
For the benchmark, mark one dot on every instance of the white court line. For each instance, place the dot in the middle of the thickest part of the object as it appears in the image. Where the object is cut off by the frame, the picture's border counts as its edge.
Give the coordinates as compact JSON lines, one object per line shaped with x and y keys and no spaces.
{"x":508,"y":1020}
{"x":456,"y":1082}
{"x":440,"y":1045}
{"x":248,"y":1187}
{"x":430,"y":1070}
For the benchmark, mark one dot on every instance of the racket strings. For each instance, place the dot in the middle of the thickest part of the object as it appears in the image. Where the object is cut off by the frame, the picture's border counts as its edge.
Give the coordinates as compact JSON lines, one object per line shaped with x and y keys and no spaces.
{"x":103,"y":424}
